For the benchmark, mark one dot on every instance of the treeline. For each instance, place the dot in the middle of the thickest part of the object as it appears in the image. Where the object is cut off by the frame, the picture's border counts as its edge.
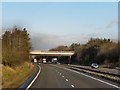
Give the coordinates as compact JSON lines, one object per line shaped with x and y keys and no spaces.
{"x":60,"y":48}
{"x":101,"y":51}
{"x":15,"y":47}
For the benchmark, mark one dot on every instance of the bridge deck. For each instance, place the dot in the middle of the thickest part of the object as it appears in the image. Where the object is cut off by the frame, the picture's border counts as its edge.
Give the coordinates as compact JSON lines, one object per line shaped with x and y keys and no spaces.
{"x":52,"y":53}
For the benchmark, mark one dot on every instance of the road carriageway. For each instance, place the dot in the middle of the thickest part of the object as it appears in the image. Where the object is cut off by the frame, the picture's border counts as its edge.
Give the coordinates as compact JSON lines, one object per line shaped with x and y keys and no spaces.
{"x":59,"y":76}
{"x":101,"y":77}
{"x":109,"y":76}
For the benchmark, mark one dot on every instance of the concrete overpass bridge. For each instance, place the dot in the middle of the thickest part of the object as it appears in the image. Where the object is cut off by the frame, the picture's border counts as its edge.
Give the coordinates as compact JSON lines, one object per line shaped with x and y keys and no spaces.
{"x":53,"y":53}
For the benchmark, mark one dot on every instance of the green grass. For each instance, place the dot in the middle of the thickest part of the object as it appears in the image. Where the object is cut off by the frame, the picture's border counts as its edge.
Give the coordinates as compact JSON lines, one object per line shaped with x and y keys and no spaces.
{"x":14,"y":77}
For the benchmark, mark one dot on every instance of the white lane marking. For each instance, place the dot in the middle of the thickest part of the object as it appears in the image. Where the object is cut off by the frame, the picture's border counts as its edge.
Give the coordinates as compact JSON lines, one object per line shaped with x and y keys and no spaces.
{"x":67,"y":80}
{"x":60,"y":73}
{"x":34,"y":79}
{"x":62,"y":76}
{"x":92,"y":78}
{"x":72,"y":86}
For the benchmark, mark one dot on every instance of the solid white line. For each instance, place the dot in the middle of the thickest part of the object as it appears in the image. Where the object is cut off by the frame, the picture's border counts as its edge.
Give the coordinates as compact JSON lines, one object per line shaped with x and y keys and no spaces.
{"x":93,"y":78}
{"x":34,"y":78}
{"x":67,"y":80}
{"x":72,"y":86}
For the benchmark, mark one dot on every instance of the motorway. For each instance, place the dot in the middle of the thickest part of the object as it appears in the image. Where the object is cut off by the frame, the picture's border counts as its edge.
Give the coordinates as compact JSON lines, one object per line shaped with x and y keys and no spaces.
{"x":56,"y":76}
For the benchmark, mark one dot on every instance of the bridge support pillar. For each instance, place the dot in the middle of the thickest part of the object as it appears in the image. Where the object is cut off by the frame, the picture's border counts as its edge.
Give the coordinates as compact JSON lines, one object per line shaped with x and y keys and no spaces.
{"x":70,"y":60}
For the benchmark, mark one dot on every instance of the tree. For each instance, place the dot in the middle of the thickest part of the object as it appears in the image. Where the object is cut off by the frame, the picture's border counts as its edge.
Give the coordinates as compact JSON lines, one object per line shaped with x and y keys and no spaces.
{"x":16,"y":46}
{"x":101,"y":51}
{"x":60,"y":48}
{"x":74,"y":46}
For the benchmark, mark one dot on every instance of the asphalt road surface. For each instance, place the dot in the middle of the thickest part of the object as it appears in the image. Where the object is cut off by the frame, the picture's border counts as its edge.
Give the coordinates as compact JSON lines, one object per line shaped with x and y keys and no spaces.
{"x":56,"y":76}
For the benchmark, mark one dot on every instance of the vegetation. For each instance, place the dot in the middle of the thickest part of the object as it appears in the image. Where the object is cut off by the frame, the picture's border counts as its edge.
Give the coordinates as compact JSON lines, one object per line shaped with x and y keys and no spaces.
{"x":101,"y":51}
{"x":60,"y":48}
{"x":15,"y":58}
{"x":15,"y":47}
{"x":74,"y":46}
{"x":13,"y":77}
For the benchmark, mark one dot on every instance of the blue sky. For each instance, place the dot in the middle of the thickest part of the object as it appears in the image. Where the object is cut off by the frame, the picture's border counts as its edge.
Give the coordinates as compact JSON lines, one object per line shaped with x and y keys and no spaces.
{"x":51,"y":24}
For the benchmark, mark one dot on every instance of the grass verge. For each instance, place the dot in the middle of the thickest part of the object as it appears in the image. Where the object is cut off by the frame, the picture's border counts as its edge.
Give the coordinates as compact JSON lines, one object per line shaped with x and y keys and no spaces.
{"x":14,"y":77}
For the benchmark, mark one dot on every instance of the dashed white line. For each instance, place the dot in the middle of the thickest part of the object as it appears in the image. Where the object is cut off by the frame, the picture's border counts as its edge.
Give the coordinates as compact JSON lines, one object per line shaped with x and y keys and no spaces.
{"x":72,"y":86}
{"x":67,"y":80}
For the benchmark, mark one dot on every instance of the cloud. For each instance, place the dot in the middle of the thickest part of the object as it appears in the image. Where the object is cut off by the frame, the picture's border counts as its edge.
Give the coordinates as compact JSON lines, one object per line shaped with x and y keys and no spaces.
{"x":114,"y":22}
{"x":46,"y":41}
{"x":42,"y":41}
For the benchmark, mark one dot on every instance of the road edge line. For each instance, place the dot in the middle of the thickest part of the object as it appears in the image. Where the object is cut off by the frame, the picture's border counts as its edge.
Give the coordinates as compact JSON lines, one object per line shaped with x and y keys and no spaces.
{"x":34,"y":79}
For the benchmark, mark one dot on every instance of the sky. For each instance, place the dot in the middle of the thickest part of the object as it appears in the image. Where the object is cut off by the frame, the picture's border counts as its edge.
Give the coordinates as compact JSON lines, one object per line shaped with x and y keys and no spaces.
{"x":51,"y":24}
